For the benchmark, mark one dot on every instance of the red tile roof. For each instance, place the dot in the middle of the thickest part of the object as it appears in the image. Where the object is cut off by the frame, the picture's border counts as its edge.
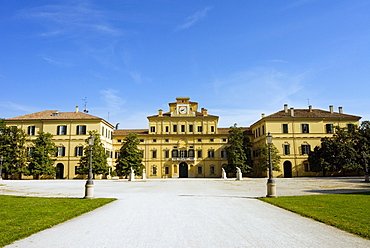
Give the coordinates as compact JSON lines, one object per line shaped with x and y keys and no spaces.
{"x":314,"y":113}
{"x":55,"y":115}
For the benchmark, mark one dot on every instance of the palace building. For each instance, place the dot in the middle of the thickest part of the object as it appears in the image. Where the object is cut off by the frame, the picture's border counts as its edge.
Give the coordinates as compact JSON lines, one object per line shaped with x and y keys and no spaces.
{"x":186,"y":141}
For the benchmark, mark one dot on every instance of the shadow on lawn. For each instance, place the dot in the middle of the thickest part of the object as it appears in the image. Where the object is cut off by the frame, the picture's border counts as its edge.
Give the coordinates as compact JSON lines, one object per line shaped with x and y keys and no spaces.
{"x":341,"y":191}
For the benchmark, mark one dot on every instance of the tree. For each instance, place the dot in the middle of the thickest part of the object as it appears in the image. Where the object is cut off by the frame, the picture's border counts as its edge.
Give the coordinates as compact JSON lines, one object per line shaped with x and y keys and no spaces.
{"x":261,"y":162}
{"x":336,"y":153}
{"x":41,"y":162}
{"x":129,"y":156}
{"x":99,"y":157}
{"x":238,"y":151}
{"x":13,"y":149}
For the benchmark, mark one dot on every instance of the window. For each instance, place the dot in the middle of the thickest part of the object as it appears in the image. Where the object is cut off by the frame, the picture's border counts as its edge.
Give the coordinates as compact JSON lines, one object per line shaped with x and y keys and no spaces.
{"x":305,"y":128}
{"x":200,"y":170}
{"x":154,"y":154}
{"x":61,"y":151}
{"x":116,"y":154}
{"x":154,"y":140}
{"x":350,"y":128}
{"x":30,"y":151}
{"x":212,"y":129}
{"x":285,"y":128}
{"x":199,"y":153}
{"x":200,"y":129}
{"x":175,"y":153}
{"x":152,"y":129}
{"x":263,"y":130}
{"x":62,"y":130}
{"x":102,"y":130}
{"x":183,"y":128}
{"x":119,"y":141}
{"x":167,"y":129}
{"x":166,"y":140}
{"x":199,"y":140}
{"x":306,"y":149}
{"x":183,"y":153}
{"x":211,"y":140}
{"x":191,"y":128}
{"x":286,"y":149}
{"x":31,"y":130}
{"x":306,"y":166}
{"x":166,"y":153}
{"x":329,"y":128}
{"x":174,"y":128}
{"x":79,"y":151}
{"x":224,"y":140}
{"x":212,"y":170}
{"x":166,"y":170}
{"x":191,"y":153}
{"x":223,"y":154}
{"x":141,"y":140}
{"x":154,"y":170}
{"x":211,"y":153}
{"x":81,"y":130}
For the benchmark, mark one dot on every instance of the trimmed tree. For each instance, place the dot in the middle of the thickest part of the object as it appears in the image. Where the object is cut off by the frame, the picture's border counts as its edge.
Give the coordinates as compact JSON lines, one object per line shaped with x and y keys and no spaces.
{"x":129,"y":156}
{"x":99,"y":157}
{"x":238,"y":151}
{"x":261,"y":162}
{"x":13,"y":149}
{"x":41,"y":161}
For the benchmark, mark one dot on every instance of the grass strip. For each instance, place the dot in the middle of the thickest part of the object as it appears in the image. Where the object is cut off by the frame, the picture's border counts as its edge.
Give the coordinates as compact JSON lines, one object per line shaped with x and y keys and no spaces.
{"x":349,"y":212}
{"x":22,"y":216}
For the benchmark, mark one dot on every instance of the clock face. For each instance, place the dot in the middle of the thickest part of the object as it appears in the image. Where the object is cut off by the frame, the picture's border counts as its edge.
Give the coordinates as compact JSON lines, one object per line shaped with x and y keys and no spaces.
{"x":182,"y":110}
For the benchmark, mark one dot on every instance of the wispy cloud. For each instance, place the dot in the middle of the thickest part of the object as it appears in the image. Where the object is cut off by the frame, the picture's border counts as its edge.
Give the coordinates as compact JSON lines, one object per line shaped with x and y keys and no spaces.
{"x":191,"y":20}
{"x":11,"y":109}
{"x":56,"y":62}
{"x":63,"y":19}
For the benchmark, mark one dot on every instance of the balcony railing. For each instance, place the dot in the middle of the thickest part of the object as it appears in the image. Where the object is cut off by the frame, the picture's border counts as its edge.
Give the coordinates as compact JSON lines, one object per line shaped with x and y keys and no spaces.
{"x":183,"y":159}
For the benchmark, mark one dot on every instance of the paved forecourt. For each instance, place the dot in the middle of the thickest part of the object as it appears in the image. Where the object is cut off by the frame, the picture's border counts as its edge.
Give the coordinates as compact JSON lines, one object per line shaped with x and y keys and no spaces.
{"x":188,"y":213}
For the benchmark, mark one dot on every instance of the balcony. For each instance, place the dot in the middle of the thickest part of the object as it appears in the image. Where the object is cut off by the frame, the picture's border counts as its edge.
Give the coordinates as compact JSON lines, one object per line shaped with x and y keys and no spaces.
{"x":183,"y":159}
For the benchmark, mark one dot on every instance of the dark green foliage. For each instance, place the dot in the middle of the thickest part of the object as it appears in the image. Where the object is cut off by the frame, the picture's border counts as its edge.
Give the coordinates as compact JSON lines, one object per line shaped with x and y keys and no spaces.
{"x":238,"y":151}
{"x":129,"y":156}
{"x":261,"y":162}
{"x":13,"y":149}
{"x":41,"y":161}
{"x":343,"y":151}
{"x":99,"y":157}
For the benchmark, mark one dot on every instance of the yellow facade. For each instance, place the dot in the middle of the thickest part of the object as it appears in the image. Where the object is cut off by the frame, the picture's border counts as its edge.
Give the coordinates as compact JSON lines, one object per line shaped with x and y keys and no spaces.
{"x":69,"y":130}
{"x":186,"y":141}
{"x":297,"y":131}
{"x":181,"y":143}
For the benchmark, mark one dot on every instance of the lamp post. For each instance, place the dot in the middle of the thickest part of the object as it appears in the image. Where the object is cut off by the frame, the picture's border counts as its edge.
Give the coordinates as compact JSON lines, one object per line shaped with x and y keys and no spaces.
{"x":1,"y":166}
{"x":271,"y":185}
{"x":89,"y":186}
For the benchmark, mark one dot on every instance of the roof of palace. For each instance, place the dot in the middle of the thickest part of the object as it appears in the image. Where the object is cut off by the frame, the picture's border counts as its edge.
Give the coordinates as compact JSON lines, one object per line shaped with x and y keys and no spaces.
{"x":313,"y":113}
{"x":55,"y":115}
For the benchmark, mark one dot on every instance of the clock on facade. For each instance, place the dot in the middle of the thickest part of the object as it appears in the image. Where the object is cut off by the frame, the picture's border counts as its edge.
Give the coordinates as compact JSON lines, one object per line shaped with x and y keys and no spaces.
{"x":183,"y":110}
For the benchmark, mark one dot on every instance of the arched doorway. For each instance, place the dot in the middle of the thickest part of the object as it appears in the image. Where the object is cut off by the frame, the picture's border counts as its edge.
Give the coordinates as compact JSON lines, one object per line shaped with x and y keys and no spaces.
{"x":183,"y":170}
{"x":287,"y":169}
{"x":60,"y":171}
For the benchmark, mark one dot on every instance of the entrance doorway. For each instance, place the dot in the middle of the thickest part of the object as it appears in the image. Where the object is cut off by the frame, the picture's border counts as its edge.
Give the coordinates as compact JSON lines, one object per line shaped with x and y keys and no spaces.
{"x":183,"y":170}
{"x":287,"y":169}
{"x":60,"y":171}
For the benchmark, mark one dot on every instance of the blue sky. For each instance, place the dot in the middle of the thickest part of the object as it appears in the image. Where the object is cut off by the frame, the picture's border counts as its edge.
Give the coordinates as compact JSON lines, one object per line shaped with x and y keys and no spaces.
{"x":237,"y":59}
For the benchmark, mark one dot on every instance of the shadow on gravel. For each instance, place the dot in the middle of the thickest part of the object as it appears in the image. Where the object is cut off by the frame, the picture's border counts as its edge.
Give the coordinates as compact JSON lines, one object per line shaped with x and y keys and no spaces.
{"x":219,"y":196}
{"x":340,"y":191}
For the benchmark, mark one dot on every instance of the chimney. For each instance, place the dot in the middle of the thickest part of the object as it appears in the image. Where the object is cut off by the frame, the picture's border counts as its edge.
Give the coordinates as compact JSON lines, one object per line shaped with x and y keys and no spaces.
{"x":204,"y":112}
{"x":340,"y":110}
{"x":262,"y":115}
{"x":286,"y":108}
{"x":310,"y":108}
{"x":292,"y":112}
{"x":76,"y":109}
{"x":160,"y":112}
{"x":331,"y":109}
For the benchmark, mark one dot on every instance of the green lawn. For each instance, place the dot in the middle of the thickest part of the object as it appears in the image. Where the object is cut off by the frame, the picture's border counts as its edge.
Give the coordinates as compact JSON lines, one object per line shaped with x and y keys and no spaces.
{"x":349,"y":212}
{"x":23,"y":216}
